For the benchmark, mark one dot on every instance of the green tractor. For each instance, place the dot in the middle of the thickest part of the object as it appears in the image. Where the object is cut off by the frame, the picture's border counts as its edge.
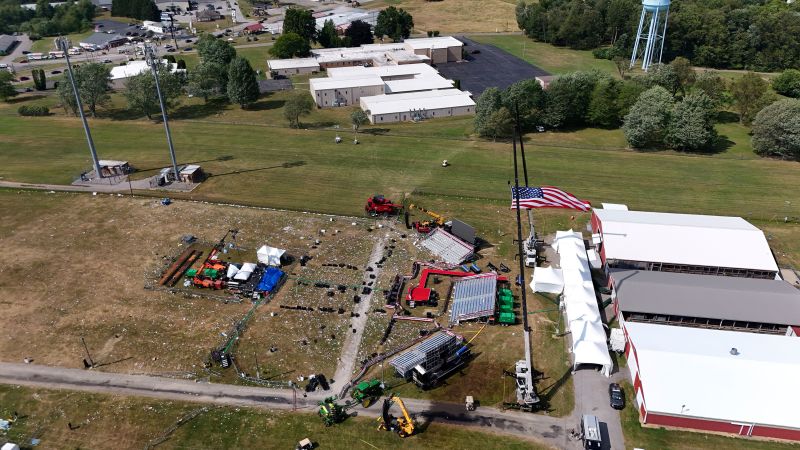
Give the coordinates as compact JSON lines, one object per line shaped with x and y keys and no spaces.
{"x":331,"y":412}
{"x":367,"y":392}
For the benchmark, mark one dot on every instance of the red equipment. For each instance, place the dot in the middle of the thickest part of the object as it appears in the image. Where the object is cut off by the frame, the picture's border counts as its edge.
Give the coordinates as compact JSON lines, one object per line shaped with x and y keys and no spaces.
{"x":420,"y":294}
{"x":380,"y":205}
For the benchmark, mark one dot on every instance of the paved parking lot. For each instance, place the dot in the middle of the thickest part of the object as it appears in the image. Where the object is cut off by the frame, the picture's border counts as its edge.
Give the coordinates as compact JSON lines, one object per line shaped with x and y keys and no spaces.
{"x":490,"y":67}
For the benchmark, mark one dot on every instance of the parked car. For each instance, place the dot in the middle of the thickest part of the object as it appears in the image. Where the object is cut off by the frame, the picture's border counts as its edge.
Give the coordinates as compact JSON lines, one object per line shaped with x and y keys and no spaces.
{"x":106,"y":61}
{"x":616,"y":396}
{"x":25,"y":52}
{"x":170,"y":50}
{"x":187,"y":49}
{"x":24,"y":78}
{"x":55,"y":72}
{"x":188,"y":41}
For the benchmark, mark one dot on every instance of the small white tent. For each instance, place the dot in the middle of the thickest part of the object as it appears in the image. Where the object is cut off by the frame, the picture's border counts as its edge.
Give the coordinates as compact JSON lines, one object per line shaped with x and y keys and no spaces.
{"x":547,"y":279}
{"x":232,"y":271}
{"x":270,"y":256}
{"x":245,"y":272}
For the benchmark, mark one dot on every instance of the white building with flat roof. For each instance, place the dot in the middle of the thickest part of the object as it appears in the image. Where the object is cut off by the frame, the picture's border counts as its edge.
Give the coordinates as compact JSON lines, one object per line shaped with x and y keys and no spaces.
{"x":296,"y":66}
{"x":388,"y":108}
{"x":691,"y":243}
{"x":347,"y":91}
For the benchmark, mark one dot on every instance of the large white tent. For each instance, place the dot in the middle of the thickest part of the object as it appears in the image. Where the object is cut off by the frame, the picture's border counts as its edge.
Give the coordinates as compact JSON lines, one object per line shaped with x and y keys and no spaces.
{"x":270,"y":256}
{"x":580,"y":303}
{"x":547,"y":279}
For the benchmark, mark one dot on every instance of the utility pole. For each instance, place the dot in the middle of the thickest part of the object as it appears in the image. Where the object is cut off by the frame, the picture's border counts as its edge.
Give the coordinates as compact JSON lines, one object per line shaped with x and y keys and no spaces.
{"x":258,"y":374}
{"x":154,"y":63}
{"x":88,"y":356}
{"x":63,"y":44}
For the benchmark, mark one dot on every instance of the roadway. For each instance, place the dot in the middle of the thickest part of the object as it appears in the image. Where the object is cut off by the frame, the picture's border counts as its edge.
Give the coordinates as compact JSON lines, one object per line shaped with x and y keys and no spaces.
{"x":547,"y":430}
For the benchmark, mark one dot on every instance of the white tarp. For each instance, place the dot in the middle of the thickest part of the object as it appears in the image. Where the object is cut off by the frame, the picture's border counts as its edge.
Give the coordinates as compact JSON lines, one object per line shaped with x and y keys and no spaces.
{"x":547,"y":279}
{"x":245,"y":271}
{"x":270,"y":256}
{"x":589,"y":345}
{"x":232,"y":271}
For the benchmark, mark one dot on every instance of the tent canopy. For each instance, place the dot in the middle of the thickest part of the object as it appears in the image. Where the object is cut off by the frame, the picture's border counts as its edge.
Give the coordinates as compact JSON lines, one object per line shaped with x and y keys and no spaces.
{"x":270,"y":256}
{"x":547,"y":279}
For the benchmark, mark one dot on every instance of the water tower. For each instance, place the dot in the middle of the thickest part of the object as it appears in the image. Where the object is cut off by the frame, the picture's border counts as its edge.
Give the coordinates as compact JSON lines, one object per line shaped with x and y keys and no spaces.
{"x":652,"y":29}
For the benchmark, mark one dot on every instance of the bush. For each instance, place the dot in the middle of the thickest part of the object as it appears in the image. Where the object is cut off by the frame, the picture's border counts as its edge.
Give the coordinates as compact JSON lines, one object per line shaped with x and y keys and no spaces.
{"x":26,"y":110}
{"x":788,"y":83}
{"x":776,"y":130}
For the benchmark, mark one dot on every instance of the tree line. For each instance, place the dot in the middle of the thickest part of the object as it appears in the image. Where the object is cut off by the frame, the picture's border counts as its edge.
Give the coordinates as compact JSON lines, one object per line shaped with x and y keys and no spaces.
{"x":46,"y":20}
{"x":670,"y":107}
{"x":757,"y":35}
{"x":300,"y":32}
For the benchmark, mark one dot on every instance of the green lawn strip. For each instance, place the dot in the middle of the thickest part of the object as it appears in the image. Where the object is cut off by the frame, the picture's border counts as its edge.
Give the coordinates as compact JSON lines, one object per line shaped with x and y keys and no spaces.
{"x":553,"y":59}
{"x":103,"y":421}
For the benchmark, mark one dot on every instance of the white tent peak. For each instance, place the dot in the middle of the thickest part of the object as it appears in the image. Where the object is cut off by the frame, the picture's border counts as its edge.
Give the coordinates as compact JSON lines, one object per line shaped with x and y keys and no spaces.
{"x":270,"y":256}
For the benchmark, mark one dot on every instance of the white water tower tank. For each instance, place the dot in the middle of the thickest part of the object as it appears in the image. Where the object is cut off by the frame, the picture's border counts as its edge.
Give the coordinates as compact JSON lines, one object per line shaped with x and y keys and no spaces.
{"x":651,"y":33}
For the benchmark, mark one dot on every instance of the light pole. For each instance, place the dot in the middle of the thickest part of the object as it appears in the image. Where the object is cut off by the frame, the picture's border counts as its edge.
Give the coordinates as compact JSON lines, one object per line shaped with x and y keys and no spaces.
{"x":64,"y":46}
{"x":153,"y":63}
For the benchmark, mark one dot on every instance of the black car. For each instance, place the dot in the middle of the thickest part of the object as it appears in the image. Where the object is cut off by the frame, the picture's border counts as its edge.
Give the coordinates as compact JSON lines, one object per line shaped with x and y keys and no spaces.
{"x":616,"y":396}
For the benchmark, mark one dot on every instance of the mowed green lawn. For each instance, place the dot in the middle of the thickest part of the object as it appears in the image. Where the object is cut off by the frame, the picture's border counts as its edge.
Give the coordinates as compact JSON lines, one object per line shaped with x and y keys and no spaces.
{"x":113,"y":422}
{"x":553,"y":59}
{"x":255,"y":160}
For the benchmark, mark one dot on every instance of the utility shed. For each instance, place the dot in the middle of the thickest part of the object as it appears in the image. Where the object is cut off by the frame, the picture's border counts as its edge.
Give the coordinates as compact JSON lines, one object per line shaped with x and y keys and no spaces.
{"x":687,"y":243}
{"x":191,"y":173}
{"x":449,"y":248}
{"x":473,"y":297}
{"x":110,"y":167}
{"x":427,"y":353}
{"x":715,"y":380}
{"x":767,"y":306}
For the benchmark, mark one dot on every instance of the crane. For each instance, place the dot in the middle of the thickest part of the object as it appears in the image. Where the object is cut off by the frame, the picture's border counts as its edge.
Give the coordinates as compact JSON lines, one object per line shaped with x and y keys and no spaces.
{"x":426,"y":226}
{"x":404,"y":426}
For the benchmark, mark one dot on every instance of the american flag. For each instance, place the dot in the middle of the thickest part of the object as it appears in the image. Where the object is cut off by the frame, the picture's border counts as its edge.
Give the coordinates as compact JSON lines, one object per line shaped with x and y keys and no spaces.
{"x":547,"y":197}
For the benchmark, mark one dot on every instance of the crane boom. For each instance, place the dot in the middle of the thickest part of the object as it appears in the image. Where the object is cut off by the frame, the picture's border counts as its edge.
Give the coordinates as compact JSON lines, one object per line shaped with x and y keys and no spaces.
{"x":437,"y":218}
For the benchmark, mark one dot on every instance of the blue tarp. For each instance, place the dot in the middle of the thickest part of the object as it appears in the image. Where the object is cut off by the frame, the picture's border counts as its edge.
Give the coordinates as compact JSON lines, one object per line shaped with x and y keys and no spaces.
{"x":270,"y":279}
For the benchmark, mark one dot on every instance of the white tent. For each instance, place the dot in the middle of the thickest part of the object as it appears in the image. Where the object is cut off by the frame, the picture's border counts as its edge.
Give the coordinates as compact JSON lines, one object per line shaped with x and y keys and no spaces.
{"x":547,"y":279}
{"x":245,"y":272}
{"x":232,"y":271}
{"x":270,"y":256}
{"x":580,"y":303}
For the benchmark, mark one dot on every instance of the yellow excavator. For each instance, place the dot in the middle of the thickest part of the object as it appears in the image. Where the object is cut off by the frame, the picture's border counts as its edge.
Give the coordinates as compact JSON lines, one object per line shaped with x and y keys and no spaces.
{"x":425,"y":226}
{"x":403,"y":426}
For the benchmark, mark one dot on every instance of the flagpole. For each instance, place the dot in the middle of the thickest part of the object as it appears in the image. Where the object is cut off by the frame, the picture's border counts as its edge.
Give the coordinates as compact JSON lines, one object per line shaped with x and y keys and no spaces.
{"x":524,"y":167}
{"x":519,"y":237}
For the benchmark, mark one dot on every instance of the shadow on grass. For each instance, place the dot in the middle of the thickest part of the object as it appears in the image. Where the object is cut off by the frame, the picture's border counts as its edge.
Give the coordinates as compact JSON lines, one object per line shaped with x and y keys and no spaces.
{"x":25,"y":98}
{"x":722,"y":145}
{"x":547,"y":393}
{"x":286,"y":165}
{"x":199,"y":111}
{"x":727,"y":117}
{"x":265,"y":105}
{"x":374,"y":131}
{"x":125,"y":114}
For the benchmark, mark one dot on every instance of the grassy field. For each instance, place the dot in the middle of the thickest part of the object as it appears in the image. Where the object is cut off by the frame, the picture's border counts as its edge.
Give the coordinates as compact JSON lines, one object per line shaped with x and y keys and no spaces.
{"x":660,"y":438}
{"x":456,"y":17}
{"x":47,"y":44}
{"x":548,"y":57}
{"x":96,"y":424}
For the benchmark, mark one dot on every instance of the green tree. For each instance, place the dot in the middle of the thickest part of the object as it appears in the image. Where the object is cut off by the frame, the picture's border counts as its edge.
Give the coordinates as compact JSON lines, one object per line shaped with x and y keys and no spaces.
{"x":665,"y":76}
{"x":94,"y":84}
{"x":710,"y":83}
{"x":300,"y":22}
{"x":242,"y":83}
{"x":39,"y":79}
{"x":487,"y":104}
{"x":395,"y":23}
{"x":646,"y":123}
{"x":568,"y":98}
{"x":501,"y":123}
{"x":208,"y":80}
{"x":358,"y":118}
{"x":691,"y":126}
{"x":290,"y":45}
{"x":750,"y":95}
{"x":215,"y":50}
{"x":603,"y":110}
{"x":358,"y":33}
{"x":66,"y":96}
{"x":6,"y":88}
{"x":299,"y":104}
{"x":140,"y":91}
{"x":629,"y":92}
{"x":776,"y":130}
{"x":328,"y":37}
{"x":181,"y":64}
{"x":527,"y":98}
{"x":788,"y":83}
{"x":683,"y":71}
